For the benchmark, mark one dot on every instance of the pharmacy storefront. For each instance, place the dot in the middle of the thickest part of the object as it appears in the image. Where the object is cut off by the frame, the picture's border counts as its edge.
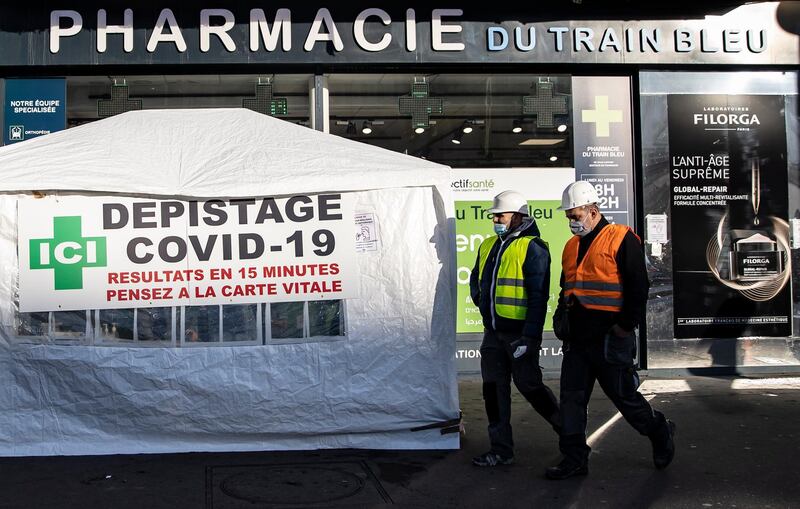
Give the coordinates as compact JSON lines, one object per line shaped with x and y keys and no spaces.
{"x":685,"y":120}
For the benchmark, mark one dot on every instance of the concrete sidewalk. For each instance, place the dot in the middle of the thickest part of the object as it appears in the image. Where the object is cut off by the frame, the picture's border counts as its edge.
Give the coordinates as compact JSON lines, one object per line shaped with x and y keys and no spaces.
{"x":737,"y":443}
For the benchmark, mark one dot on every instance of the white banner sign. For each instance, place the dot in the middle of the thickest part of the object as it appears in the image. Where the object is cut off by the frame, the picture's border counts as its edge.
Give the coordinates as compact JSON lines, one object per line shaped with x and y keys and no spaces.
{"x":117,"y":252}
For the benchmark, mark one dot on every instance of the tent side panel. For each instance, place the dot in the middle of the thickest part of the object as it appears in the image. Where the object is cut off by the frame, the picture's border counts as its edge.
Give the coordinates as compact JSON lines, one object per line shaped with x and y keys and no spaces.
{"x":388,"y":375}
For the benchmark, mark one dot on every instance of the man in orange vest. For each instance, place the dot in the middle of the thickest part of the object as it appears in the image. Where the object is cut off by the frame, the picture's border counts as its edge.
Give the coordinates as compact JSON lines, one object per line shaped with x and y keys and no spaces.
{"x":510,"y":284}
{"x":604,"y":290}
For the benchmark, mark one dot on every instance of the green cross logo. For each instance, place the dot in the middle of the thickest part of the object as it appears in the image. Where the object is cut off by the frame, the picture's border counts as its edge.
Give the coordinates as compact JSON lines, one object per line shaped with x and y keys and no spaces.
{"x":602,"y":116}
{"x":67,"y":253}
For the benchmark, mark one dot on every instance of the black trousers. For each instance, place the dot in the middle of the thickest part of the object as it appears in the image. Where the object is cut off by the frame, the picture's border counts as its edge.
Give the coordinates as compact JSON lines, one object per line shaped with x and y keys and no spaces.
{"x":498,"y":368}
{"x":609,"y":361}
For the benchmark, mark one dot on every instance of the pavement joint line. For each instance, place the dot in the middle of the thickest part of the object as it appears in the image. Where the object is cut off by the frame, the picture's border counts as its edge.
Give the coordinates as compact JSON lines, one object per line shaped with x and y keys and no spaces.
{"x":594,"y":437}
{"x":656,"y":386}
{"x":766,"y":383}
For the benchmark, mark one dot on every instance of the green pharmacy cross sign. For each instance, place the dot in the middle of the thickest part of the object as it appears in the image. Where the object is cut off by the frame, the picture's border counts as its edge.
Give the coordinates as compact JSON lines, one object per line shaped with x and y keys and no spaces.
{"x":68,"y":253}
{"x":119,"y":102}
{"x":544,"y":105}
{"x":420,"y":105}
{"x":265,"y":103}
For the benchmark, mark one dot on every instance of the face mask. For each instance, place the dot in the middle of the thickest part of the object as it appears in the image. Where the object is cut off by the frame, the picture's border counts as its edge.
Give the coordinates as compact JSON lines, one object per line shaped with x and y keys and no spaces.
{"x":578,"y":228}
{"x":500,"y":228}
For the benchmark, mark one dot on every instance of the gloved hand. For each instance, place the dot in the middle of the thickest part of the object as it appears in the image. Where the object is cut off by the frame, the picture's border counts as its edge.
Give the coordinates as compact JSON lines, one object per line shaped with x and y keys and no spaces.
{"x":561,"y":323}
{"x":522,"y":345}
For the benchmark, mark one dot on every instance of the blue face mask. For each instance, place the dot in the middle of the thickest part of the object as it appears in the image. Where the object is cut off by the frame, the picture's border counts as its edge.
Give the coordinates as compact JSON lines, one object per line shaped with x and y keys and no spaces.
{"x":500,"y":228}
{"x":579,"y":228}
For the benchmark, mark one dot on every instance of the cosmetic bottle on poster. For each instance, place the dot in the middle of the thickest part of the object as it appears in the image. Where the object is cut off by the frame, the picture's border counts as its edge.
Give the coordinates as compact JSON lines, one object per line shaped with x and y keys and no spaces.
{"x":754,"y":255}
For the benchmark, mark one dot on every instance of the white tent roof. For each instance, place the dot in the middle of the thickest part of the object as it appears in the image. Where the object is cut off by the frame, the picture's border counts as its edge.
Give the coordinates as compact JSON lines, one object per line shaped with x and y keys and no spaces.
{"x":206,"y":152}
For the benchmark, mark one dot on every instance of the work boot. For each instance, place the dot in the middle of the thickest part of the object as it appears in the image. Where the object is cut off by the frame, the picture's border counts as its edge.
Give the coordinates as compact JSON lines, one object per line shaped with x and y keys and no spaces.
{"x":664,"y":446}
{"x":567,"y":468}
{"x":491,"y":459}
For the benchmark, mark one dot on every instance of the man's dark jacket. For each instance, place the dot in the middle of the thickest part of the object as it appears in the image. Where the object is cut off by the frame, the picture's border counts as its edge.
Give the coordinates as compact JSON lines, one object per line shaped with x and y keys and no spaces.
{"x":592,"y":324}
{"x":536,"y":273}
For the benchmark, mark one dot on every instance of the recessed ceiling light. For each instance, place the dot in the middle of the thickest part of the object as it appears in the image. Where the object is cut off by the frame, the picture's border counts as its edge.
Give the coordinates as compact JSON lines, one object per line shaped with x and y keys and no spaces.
{"x":419,"y":130}
{"x":561,"y":128}
{"x":467,"y":127}
{"x":366,"y":127}
{"x":542,"y":142}
{"x":553,"y":159}
{"x":516,"y":126}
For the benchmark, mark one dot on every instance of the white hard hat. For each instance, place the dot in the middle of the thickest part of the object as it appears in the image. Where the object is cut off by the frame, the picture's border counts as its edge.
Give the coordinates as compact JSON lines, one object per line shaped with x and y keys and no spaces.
{"x":509,"y":201}
{"x":578,"y":194}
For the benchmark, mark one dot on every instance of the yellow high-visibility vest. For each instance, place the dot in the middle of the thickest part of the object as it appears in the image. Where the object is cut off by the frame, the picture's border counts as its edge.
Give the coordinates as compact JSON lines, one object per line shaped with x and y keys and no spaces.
{"x":510,"y":296}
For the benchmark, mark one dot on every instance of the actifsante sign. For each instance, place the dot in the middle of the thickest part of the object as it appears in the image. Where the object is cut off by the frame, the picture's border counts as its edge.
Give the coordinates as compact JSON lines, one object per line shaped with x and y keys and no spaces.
{"x":95,"y":252}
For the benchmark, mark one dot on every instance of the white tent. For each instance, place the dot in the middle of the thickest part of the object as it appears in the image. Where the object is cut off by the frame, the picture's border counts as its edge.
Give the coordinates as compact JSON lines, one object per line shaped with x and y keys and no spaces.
{"x":391,"y":371}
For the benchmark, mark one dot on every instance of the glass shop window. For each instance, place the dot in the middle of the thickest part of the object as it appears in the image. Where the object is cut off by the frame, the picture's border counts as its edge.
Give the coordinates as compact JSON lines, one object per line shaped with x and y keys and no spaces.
{"x":33,"y":324}
{"x":724,"y":288}
{"x":69,"y":324}
{"x":240,"y":323}
{"x":325,"y":318}
{"x":114,"y":325}
{"x":155,"y":325}
{"x":55,"y":326}
{"x":461,"y":120}
{"x":141,"y":326}
{"x":289,"y":322}
{"x":190,"y":326}
{"x":201,"y":324}
{"x":285,"y":96}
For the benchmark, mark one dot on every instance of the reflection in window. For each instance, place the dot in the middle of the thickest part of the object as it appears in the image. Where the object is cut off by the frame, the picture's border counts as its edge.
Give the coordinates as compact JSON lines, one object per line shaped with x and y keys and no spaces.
{"x":324,"y":318}
{"x":287,"y":320}
{"x":486,"y":120}
{"x":240,"y":322}
{"x":190,"y":91}
{"x":33,"y":324}
{"x":202,"y":324}
{"x":115,"y":324}
{"x":154,"y":324}
{"x":69,"y":323}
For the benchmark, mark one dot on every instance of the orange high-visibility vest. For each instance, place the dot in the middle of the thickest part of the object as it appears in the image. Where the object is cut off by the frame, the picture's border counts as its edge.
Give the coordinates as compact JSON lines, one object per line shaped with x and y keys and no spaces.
{"x":596,"y":282}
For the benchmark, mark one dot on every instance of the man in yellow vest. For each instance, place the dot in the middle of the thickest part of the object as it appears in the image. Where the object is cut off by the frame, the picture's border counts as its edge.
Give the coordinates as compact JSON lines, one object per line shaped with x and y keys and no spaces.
{"x":604,"y":290}
{"x":511,"y":285}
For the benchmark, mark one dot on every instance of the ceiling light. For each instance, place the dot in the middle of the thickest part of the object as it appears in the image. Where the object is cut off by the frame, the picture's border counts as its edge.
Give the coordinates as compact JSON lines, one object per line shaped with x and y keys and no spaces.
{"x":351,"y":129}
{"x":456,"y":139}
{"x":366,"y":127}
{"x":561,"y":128}
{"x":467,"y":127}
{"x":419,"y":130}
{"x":542,"y":142}
{"x":553,"y":159}
{"x":517,"y":126}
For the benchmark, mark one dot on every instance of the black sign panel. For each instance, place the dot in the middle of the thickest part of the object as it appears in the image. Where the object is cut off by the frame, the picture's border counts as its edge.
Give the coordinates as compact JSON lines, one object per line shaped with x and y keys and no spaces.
{"x":148,"y":32}
{"x":728,"y":178}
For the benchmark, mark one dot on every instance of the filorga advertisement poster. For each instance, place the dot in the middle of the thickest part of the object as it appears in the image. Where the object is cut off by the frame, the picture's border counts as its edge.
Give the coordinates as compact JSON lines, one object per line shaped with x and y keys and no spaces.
{"x":728,"y":181}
